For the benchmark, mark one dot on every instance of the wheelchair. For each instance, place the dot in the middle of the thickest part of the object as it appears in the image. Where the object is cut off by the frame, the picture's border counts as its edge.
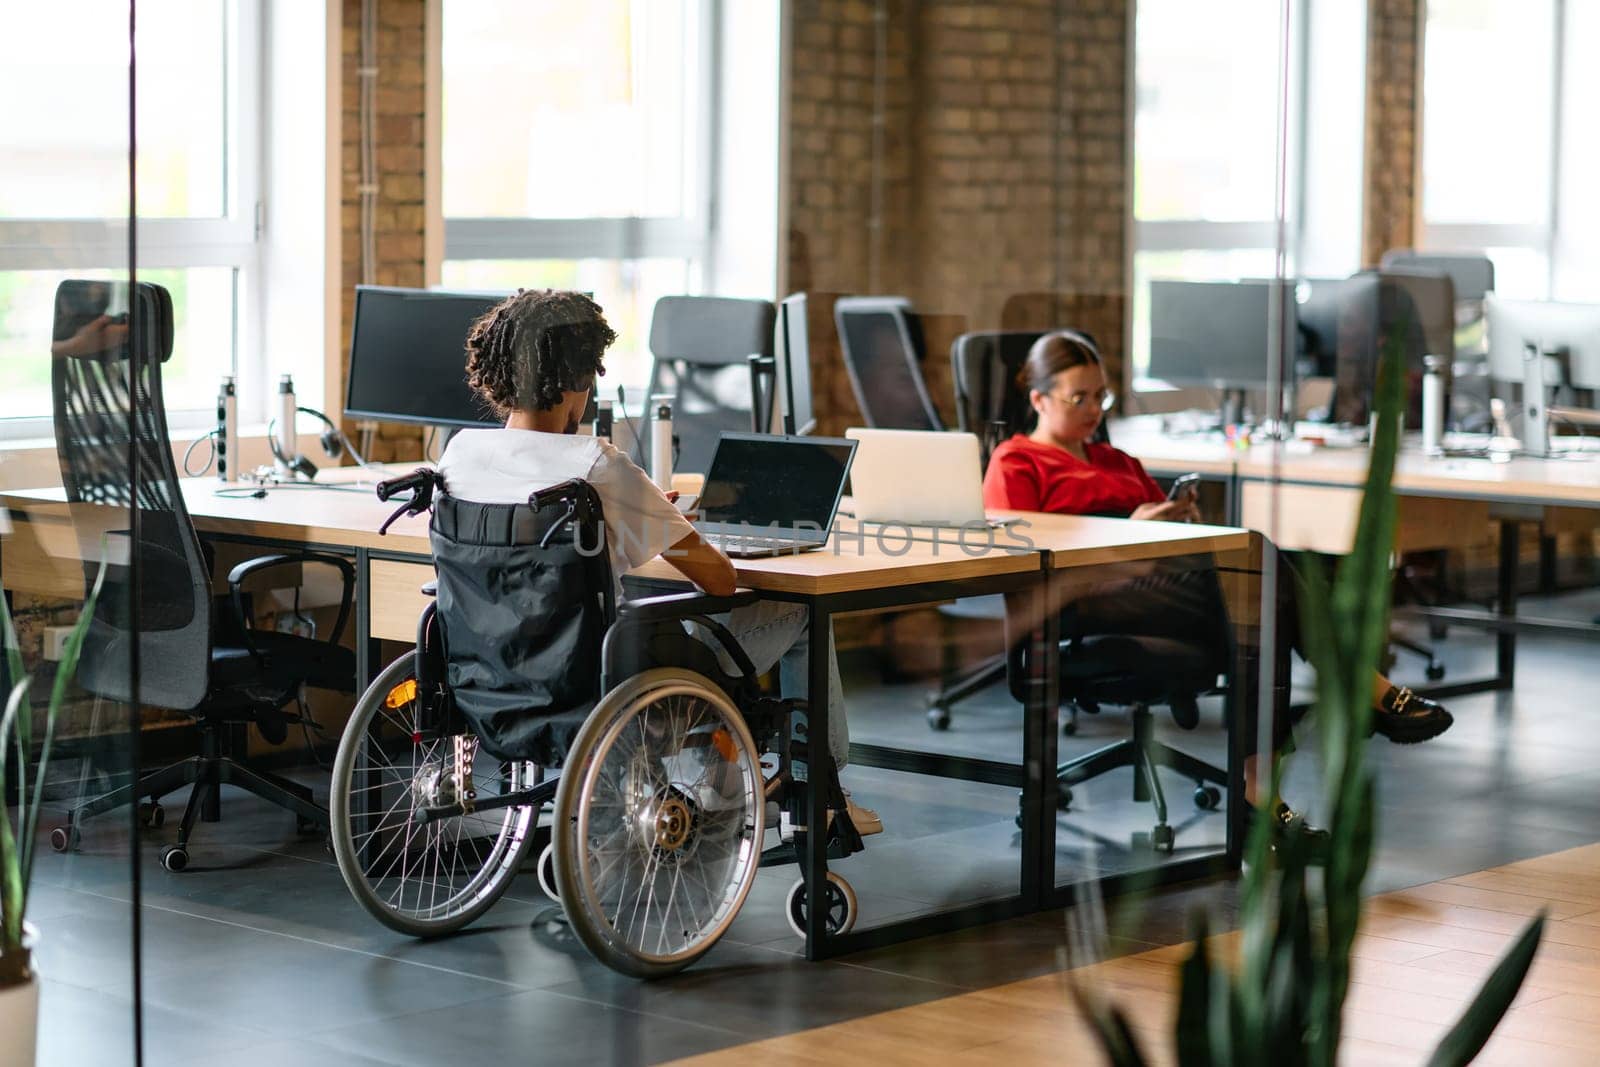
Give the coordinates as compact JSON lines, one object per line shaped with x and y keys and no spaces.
{"x":531,"y":687}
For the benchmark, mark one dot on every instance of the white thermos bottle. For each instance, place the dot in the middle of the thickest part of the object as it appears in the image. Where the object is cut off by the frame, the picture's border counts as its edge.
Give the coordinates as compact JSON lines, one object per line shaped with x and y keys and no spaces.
{"x":228,"y":469}
{"x":286,"y":417}
{"x":661,"y":443}
{"x":1433,"y":404}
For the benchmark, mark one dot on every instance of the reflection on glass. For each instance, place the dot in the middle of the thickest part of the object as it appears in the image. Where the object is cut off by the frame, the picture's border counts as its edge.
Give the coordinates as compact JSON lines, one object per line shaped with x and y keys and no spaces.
{"x":203,"y":336}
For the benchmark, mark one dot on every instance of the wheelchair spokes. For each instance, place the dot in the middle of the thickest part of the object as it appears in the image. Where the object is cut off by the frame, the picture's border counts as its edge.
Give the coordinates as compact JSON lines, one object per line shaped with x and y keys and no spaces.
{"x":428,"y":829}
{"x":659,"y":822}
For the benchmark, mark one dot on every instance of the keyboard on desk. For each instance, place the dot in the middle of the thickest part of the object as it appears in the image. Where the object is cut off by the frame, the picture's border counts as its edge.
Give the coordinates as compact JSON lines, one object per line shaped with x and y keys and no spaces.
{"x":756,"y":546}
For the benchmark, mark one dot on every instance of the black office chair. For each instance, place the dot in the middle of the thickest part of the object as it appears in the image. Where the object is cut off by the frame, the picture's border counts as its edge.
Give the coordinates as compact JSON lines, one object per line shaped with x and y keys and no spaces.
{"x":703,"y":348}
{"x":881,"y":340}
{"x":990,"y":403}
{"x":205,"y":661}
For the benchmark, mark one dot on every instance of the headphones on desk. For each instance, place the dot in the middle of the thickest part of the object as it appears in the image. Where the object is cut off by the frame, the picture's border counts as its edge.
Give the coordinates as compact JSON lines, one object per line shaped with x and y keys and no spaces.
{"x":331,"y":438}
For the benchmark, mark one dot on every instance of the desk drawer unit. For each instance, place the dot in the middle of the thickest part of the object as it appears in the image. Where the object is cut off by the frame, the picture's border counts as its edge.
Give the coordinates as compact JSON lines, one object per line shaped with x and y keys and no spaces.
{"x":397,"y":598}
{"x":1322,"y":518}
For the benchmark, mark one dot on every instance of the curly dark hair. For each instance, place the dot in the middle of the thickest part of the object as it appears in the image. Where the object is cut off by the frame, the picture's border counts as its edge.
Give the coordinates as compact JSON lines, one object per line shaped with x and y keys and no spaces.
{"x":531,"y":348}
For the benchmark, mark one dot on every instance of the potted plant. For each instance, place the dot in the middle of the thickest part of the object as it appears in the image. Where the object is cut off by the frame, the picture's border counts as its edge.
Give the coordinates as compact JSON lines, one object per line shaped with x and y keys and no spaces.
{"x":1299,"y":913}
{"x":19,"y":990}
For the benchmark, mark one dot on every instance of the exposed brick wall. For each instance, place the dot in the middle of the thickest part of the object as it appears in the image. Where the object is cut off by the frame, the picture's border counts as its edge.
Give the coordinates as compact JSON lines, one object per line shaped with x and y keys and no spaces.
{"x":401,"y":62}
{"x":1394,"y":55}
{"x":997,"y":196}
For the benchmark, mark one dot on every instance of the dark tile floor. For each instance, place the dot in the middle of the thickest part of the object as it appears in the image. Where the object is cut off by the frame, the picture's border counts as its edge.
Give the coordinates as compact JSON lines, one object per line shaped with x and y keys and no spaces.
{"x":257,"y":954}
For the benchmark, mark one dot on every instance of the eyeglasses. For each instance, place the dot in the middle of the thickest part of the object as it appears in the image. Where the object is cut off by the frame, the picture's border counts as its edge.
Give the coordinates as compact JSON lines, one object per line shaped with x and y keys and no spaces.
{"x":1100,"y":398}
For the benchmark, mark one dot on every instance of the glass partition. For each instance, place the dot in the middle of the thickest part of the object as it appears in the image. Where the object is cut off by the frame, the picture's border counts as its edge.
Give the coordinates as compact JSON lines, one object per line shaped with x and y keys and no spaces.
{"x":81,"y":334}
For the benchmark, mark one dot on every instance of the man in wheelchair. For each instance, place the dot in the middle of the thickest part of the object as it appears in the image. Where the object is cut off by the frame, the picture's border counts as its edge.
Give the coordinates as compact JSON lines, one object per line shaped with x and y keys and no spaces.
{"x":668,"y":779}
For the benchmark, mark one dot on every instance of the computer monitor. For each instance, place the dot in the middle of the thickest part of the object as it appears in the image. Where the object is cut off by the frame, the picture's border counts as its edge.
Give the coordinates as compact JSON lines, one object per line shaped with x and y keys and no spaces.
{"x":1572,"y":329}
{"x":408,"y":356}
{"x":1217,"y":334}
{"x":1317,"y":304}
{"x":881,"y":343}
{"x":793,"y":351}
{"x":1410,"y":313}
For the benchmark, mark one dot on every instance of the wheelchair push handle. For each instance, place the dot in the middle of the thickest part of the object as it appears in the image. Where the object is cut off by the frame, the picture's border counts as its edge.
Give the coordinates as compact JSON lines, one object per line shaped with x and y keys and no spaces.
{"x":420,"y":483}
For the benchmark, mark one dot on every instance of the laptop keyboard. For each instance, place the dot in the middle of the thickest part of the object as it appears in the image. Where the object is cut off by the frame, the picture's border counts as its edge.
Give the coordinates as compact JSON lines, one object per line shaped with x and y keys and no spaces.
{"x":756,"y":543}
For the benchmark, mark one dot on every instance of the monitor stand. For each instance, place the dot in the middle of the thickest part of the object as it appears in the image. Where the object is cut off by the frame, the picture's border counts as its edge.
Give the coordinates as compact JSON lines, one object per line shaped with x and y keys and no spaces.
{"x":1233,"y":408}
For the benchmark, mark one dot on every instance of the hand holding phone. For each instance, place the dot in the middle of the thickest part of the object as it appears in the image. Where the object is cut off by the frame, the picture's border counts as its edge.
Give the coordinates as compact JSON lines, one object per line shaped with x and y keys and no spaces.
{"x":1185,"y":485}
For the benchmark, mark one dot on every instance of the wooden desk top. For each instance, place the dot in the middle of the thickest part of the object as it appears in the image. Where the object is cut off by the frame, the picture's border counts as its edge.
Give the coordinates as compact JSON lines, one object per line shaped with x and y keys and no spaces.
{"x":1571,"y":479}
{"x":1082,"y":540}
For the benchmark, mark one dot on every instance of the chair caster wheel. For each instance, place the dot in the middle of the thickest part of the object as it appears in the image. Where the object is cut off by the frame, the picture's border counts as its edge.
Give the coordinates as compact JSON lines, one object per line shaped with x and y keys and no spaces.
{"x":938,"y":718}
{"x":1435,"y":672}
{"x":1207,"y":797}
{"x":1070,"y":727}
{"x":65,"y":839}
{"x":174,"y":858}
{"x":152,"y":815}
{"x":841,"y":906}
{"x":1162,"y":838}
{"x":1063,"y":798}
{"x":546,"y":871}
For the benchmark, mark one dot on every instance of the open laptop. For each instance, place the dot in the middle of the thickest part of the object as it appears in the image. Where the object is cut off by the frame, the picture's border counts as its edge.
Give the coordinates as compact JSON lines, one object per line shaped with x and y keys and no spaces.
{"x":917,"y":478}
{"x":771,"y":495}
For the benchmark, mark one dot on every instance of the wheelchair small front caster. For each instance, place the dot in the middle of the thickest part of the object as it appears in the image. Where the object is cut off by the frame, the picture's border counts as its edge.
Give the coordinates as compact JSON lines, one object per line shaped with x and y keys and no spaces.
{"x":546,"y":871}
{"x":65,"y":839}
{"x":1161,"y":838}
{"x":152,"y":815}
{"x":1207,"y":797}
{"x":841,"y":914}
{"x":1435,"y":671}
{"x":938,"y":718}
{"x":174,"y":858}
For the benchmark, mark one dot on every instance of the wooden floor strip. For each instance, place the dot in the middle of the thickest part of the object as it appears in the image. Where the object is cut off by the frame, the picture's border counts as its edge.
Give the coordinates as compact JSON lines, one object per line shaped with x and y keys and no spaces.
{"x":1421,"y":955}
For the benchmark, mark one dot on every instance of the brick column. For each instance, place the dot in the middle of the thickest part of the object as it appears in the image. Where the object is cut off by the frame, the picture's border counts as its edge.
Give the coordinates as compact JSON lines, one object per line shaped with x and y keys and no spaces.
{"x":401,"y":62}
{"x":1394,"y":65}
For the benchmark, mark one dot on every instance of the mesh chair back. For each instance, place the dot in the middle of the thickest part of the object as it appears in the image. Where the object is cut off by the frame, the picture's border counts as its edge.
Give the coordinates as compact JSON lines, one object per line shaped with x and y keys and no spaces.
{"x":702,"y":347}
{"x":1472,"y":273}
{"x":881,"y":340}
{"x":525,"y":598}
{"x":114,"y":450}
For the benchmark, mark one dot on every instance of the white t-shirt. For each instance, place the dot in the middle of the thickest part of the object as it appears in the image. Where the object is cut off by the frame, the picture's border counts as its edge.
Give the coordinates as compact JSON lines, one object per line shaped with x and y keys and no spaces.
{"x":503,"y":466}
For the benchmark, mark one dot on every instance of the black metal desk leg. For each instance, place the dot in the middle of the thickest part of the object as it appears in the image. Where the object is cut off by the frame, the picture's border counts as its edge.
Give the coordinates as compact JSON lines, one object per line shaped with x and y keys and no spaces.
{"x":366,"y":666}
{"x":814,"y":850}
{"x":1506,"y":603}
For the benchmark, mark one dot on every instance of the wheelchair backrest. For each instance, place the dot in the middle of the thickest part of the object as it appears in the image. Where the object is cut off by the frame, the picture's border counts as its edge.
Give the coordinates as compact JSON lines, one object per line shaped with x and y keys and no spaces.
{"x":525,"y":598}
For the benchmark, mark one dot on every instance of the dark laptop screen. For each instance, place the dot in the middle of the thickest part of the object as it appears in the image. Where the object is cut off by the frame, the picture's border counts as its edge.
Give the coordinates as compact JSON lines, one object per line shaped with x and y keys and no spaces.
{"x":761,"y":479}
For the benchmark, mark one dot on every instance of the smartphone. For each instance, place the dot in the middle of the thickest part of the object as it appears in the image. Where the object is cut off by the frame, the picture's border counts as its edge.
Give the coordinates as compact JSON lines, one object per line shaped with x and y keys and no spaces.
{"x":1184,"y":483}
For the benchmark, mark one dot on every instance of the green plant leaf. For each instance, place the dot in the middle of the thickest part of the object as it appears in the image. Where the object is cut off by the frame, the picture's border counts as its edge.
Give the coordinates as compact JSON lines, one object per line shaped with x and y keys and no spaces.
{"x":13,"y":888}
{"x":1111,"y":1027}
{"x":16,"y":668}
{"x":66,"y":670}
{"x":1194,"y":993}
{"x":1471,"y":1032}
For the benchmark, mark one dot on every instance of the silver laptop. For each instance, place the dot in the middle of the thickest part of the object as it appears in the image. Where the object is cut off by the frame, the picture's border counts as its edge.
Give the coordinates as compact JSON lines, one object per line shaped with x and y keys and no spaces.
{"x":770,"y":495}
{"x":917,"y":478}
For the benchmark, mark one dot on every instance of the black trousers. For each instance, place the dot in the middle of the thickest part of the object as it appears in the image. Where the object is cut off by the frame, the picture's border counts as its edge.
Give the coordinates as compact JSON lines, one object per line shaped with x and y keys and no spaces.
{"x":1181,"y":599}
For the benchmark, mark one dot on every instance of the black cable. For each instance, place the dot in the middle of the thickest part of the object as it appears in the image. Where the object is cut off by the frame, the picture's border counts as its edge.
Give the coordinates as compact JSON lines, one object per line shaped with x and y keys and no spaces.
{"x":212,"y":439}
{"x":262,"y":489}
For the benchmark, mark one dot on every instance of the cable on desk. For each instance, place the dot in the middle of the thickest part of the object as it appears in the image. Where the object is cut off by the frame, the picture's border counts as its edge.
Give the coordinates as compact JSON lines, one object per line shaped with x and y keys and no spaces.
{"x":210,"y":438}
{"x":264,"y":488}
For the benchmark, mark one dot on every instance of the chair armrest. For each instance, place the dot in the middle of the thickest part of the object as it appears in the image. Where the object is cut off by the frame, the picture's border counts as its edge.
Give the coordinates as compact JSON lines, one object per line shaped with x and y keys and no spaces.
{"x":347,"y":575}
{"x":682,"y":605}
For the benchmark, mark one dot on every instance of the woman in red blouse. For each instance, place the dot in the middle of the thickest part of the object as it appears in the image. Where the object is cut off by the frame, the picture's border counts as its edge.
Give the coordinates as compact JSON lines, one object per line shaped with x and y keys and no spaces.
{"x":1057,"y":468}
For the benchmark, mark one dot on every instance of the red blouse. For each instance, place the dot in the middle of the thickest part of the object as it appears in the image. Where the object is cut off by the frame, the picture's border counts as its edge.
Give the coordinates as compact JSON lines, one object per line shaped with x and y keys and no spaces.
{"x":1024,"y":475}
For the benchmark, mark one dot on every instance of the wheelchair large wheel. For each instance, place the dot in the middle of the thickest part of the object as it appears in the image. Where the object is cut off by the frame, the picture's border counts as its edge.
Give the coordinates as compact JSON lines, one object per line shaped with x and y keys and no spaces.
{"x":658,"y":822}
{"x":422,"y":879}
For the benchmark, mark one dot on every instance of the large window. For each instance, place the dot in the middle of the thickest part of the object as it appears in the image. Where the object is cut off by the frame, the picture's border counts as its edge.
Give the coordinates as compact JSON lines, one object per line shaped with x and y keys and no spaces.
{"x":577,"y":152}
{"x":64,"y":191}
{"x":1508,"y":152}
{"x":1222,"y":96}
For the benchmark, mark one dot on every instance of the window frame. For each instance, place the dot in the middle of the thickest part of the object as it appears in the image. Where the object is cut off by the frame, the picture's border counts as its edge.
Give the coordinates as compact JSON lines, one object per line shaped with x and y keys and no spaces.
{"x":231,"y":240}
